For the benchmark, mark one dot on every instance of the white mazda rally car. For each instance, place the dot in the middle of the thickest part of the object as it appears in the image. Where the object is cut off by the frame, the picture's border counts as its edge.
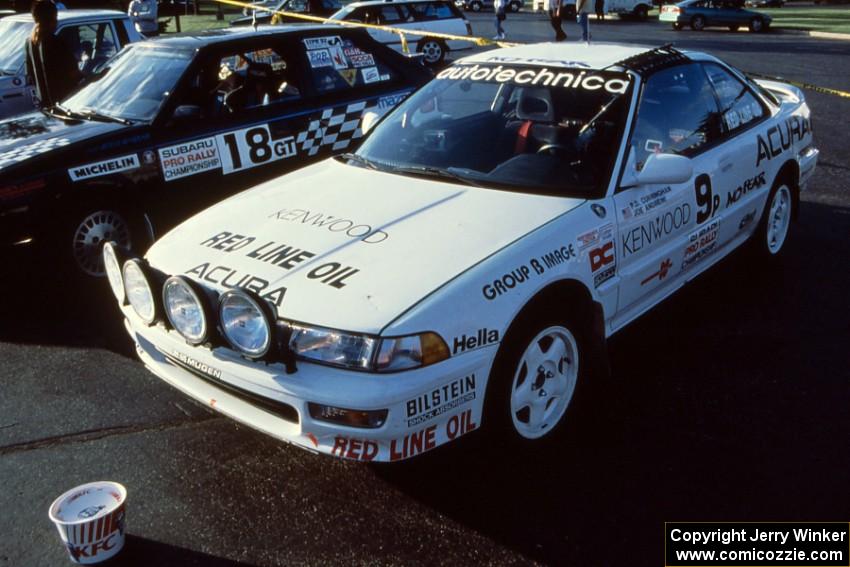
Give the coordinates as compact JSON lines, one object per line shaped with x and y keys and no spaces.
{"x":465,"y":266}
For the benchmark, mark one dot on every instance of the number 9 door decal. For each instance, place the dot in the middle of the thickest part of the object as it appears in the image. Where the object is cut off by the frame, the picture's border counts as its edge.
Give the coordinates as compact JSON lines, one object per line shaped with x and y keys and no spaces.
{"x":250,"y":147}
{"x":708,"y":204}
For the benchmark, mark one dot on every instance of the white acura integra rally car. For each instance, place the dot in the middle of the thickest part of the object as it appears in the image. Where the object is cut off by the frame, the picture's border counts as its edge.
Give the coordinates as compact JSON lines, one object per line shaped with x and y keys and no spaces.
{"x":465,"y":267}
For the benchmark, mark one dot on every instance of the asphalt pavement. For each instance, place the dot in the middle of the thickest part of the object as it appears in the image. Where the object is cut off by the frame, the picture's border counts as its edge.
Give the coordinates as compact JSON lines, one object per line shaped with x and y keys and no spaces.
{"x":728,"y":402}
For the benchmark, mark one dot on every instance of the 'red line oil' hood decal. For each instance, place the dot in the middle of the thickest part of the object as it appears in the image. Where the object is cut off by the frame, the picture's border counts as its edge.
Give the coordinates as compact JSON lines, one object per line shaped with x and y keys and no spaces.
{"x":345,"y":247}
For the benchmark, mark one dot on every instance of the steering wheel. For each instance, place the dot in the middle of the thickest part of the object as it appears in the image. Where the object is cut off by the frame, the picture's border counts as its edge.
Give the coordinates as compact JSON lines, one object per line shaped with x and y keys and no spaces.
{"x":555,"y":150}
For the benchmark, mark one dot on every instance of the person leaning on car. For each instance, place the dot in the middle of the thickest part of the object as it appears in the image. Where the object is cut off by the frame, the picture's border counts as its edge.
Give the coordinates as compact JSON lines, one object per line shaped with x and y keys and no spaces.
{"x":51,"y":65}
{"x":143,"y":15}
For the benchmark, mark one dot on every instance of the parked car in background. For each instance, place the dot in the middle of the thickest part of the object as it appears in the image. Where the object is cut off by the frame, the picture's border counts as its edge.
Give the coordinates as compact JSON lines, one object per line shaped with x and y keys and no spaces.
{"x":317,"y":8}
{"x":175,"y":124}
{"x":764,"y":3}
{"x":93,"y":35}
{"x":700,"y":14}
{"x":478,"y":5}
{"x":440,"y":16}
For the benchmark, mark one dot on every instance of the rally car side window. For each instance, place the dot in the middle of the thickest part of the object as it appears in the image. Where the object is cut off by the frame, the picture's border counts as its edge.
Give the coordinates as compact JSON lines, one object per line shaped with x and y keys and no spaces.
{"x":739,"y":108}
{"x":233,"y":84}
{"x":339,"y":64}
{"x":677,"y":114}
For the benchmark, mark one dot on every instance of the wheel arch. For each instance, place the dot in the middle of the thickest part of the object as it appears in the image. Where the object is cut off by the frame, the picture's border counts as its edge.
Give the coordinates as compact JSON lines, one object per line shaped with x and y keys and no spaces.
{"x":561,"y":293}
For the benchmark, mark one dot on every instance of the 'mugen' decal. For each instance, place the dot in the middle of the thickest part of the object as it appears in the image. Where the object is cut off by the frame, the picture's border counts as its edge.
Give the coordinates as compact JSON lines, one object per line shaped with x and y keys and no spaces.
{"x":616,"y":83}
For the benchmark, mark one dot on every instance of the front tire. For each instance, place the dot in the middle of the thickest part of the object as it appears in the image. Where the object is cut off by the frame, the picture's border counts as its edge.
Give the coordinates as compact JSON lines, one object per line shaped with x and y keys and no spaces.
{"x":475,"y":6}
{"x":434,"y":50}
{"x":757,"y":25}
{"x":514,"y":6}
{"x":641,"y":12}
{"x":537,"y":373}
{"x":733,"y":28}
{"x":677,"y":26}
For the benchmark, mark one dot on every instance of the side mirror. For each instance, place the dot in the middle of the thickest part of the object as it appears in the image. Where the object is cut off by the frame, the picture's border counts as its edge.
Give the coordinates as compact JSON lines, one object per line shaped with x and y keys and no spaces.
{"x":186,"y":112}
{"x":665,"y":168}
{"x":370,"y":118}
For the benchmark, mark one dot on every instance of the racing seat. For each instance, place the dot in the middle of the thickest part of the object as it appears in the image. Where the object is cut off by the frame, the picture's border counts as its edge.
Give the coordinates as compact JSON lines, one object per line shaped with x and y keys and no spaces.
{"x":537,"y":113}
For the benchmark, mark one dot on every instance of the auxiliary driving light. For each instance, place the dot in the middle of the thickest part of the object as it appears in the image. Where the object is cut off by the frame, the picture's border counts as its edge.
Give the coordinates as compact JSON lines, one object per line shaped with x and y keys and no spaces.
{"x":138,"y":291}
{"x":185,"y":309}
{"x":246,"y":323}
{"x":113,"y":271}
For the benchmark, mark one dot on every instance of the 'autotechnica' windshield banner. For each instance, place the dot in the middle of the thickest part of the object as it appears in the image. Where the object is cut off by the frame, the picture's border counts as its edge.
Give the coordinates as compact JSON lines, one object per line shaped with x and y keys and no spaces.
{"x":584,"y":79}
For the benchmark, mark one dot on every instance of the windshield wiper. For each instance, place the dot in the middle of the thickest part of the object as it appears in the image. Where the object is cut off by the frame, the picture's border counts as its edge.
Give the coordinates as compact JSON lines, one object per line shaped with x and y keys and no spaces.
{"x":95,"y":115}
{"x":360,"y":159}
{"x":428,"y":171}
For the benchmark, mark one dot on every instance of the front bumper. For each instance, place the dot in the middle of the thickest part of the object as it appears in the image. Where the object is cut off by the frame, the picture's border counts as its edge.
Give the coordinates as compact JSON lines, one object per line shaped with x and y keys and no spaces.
{"x":427,"y":407}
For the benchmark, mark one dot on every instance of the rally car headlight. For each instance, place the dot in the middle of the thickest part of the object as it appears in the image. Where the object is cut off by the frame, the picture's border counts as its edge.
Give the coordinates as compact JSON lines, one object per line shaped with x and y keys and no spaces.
{"x":404,"y":353}
{"x":185,"y":309}
{"x":330,"y":346}
{"x":113,"y":271}
{"x":358,"y":352}
{"x":138,"y":291}
{"x":246,"y":323}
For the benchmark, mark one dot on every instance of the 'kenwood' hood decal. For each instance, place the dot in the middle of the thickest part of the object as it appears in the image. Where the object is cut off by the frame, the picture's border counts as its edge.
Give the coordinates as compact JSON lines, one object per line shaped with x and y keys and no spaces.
{"x":345,"y":247}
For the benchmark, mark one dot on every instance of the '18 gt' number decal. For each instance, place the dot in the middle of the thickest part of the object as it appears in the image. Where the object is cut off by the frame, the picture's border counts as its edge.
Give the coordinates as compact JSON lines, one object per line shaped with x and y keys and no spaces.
{"x":251,"y":147}
{"x":708,"y":204}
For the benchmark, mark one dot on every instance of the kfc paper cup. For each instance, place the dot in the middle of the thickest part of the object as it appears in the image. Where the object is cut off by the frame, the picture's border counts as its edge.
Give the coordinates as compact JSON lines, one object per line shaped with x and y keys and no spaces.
{"x":90,"y":520}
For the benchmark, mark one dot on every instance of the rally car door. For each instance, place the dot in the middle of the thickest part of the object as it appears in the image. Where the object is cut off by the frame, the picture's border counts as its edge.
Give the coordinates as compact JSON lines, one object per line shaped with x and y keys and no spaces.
{"x":743,"y":180}
{"x":677,"y":113}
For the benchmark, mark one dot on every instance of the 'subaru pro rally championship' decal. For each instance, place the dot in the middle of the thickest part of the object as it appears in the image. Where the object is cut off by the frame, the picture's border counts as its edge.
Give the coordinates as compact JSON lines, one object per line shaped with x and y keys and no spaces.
{"x":230,"y":152}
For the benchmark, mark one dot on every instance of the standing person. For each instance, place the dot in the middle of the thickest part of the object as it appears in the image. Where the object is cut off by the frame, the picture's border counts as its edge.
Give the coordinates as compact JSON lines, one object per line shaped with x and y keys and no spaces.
{"x":51,"y":65}
{"x":582,"y":10}
{"x":555,"y":19}
{"x":600,"y":10}
{"x":143,"y":15}
{"x":499,"y":7}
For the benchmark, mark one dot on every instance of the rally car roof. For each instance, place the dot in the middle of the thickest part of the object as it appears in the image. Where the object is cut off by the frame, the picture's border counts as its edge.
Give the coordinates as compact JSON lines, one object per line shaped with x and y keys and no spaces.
{"x":72,"y":15}
{"x":204,"y":38}
{"x":563,"y":54}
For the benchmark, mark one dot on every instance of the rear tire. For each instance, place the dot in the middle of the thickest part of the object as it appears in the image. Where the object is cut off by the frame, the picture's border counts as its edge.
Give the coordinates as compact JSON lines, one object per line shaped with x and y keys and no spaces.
{"x":475,"y":6}
{"x":697,"y":23}
{"x":771,"y":236}
{"x":677,"y":26}
{"x":434,"y":50}
{"x":757,"y":25}
{"x":641,"y":12}
{"x":733,"y":28}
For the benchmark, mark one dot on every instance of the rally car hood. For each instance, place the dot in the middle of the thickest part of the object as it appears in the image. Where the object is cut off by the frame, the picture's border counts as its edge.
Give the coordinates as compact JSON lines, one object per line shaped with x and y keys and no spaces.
{"x":364,"y":245}
{"x":29,"y":135}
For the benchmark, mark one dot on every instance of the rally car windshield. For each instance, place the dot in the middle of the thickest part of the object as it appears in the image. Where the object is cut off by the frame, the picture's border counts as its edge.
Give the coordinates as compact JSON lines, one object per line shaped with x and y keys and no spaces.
{"x":12,"y":38}
{"x":134,"y":85}
{"x":534,"y":129}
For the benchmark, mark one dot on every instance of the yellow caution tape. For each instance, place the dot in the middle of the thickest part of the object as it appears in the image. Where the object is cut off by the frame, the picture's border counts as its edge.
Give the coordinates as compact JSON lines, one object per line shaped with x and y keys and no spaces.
{"x":482,"y":41}
{"x":807,"y":86}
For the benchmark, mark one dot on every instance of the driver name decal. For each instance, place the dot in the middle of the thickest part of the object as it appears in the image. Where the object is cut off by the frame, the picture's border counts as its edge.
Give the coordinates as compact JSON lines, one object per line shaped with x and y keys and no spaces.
{"x":615,"y":83}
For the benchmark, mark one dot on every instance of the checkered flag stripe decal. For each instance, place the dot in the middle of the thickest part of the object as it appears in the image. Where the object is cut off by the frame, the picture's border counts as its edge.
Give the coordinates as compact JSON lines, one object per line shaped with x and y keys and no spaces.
{"x":31,"y":150}
{"x":336,"y":127}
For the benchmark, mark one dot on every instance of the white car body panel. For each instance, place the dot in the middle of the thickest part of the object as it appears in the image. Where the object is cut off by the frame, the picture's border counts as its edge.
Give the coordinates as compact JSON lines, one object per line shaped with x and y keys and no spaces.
{"x":451,"y":26}
{"x":372,"y":225}
{"x":456,"y":260}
